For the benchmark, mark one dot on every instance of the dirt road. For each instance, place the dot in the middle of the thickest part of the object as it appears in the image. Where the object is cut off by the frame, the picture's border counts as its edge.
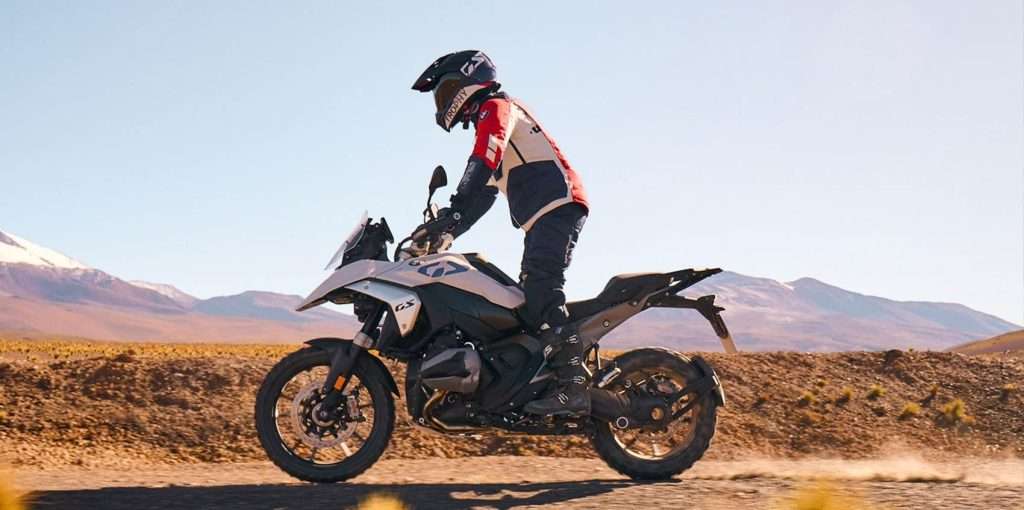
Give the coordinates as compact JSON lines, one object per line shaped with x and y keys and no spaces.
{"x":526,"y":482}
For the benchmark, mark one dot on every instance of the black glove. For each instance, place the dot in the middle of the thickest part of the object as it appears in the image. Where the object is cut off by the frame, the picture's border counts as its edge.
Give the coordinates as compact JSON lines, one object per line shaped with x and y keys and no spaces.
{"x":446,"y":221}
{"x":473,"y":197}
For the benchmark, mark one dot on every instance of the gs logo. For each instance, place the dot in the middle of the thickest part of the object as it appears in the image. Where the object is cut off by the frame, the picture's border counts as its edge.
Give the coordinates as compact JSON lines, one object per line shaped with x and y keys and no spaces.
{"x":442,"y":268}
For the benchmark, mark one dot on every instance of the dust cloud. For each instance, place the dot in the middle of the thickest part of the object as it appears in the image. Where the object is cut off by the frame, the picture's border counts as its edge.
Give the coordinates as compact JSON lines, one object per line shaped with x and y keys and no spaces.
{"x":1001,"y":472}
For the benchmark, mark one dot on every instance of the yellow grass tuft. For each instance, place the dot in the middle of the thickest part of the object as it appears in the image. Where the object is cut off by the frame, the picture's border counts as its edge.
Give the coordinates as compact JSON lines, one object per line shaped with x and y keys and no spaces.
{"x":876,"y":392}
{"x":382,"y":501}
{"x":910,"y":410}
{"x":822,"y":496}
{"x":955,"y":411}
{"x":806,"y":399}
{"x":845,"y":395}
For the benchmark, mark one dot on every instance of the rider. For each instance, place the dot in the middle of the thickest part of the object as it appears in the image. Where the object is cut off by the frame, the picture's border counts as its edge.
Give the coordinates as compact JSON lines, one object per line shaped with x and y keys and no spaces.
{"x":514,"y":154}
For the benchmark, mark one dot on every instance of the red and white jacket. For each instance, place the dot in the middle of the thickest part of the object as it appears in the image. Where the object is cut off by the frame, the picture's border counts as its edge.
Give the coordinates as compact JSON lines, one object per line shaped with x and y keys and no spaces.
{"x":525,"y":163}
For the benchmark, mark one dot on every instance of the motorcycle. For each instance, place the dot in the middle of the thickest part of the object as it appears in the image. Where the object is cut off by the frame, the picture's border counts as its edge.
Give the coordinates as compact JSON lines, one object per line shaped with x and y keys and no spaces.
{"x":326,"y":412}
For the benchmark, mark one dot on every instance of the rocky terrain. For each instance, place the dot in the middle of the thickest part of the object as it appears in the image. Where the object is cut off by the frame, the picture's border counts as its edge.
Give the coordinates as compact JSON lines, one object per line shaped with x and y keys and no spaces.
{"x":94,"y":404}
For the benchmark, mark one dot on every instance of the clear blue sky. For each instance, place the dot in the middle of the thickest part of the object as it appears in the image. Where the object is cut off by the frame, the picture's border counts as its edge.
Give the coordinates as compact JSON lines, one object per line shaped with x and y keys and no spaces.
{"x":223,"y":146}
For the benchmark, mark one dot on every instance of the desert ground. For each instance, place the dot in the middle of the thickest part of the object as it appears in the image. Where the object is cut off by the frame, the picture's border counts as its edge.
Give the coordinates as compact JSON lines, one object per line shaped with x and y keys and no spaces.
{"x":114,"y":425}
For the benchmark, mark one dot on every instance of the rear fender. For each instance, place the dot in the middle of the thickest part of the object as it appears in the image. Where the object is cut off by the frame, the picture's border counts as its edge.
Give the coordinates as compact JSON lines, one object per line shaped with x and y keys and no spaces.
{"x":594,"y":327}
{"x":710,"y":378}
{"x":706,"y":306}
{"x":332,"y":345}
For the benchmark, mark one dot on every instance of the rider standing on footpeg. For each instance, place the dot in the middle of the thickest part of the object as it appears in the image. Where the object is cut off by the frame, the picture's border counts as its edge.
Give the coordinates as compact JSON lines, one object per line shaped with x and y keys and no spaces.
{"x":514,"y":154}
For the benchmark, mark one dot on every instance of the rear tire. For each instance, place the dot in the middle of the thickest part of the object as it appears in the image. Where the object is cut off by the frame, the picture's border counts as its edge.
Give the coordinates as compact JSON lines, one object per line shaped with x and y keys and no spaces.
{"x":613,"y":452}
{"x":267,"y":426}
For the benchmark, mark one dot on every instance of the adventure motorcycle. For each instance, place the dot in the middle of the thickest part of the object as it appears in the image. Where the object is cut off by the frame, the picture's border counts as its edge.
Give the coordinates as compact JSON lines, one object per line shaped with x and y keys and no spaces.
{"x":326,"y":412}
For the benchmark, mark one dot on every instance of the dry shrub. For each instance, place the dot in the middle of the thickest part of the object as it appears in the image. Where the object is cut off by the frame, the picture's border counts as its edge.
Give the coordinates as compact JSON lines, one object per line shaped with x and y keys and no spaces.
{"x":876,"y":392}
{"x":10,"y":498}
{"x":762,"y":399}
{"x":806,"y":399}
{"x":845,"y":396}
{"x":910,"y":409}
{"x":810,"y":418}
{"x":382,"y":501}
{"x":1007,"y":390}
{"x":955,"y":411}
{"x":932,"y":393}
{"x":822,"y":496}
{"x":820,"y":383}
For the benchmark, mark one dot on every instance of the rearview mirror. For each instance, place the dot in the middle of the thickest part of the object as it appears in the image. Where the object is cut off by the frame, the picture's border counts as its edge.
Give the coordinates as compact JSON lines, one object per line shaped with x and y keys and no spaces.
{"x":438,"y":180}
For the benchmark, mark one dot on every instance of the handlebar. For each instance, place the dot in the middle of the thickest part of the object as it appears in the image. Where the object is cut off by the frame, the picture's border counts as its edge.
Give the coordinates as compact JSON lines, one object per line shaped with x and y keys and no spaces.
{"x":433,"y":236}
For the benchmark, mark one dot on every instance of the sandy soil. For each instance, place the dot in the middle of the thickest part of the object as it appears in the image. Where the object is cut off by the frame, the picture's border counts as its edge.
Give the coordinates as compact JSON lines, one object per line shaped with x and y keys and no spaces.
{"x":72,"y":404}
{"x":526,"y":482}
{"x":170,"y":426}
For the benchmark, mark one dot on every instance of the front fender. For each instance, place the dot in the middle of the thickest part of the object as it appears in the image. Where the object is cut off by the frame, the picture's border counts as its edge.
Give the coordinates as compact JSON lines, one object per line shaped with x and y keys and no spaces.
{"x":331,"y":345}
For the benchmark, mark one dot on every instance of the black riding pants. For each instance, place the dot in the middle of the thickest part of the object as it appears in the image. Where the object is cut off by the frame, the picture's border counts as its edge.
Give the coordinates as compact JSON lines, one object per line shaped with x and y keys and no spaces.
{"x":547,"y":253}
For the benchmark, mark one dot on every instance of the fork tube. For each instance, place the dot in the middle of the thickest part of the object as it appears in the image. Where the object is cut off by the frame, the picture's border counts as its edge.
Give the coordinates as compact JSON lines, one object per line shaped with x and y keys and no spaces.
{"x":344,"y":359}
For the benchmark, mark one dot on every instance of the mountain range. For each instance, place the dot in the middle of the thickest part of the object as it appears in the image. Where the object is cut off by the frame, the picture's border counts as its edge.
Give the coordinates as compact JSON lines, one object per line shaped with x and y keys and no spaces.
{"x":45,"y":292}
{"x":809,"y":315}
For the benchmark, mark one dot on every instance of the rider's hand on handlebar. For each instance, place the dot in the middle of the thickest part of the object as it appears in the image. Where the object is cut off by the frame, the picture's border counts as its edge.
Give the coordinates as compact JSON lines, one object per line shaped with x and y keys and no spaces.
{"x":445,"y":222}
{"x":412,"y":251}
{"x":433,"y":236}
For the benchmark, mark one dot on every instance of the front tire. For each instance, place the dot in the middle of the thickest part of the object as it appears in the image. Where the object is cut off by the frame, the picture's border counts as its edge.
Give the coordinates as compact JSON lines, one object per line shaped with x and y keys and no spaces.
{"x":619,"y":448}
{"x":289,"y":438}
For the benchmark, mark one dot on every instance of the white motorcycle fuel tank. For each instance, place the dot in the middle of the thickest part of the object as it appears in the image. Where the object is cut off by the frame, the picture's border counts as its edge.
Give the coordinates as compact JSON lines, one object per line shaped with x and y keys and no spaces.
{"x":394,"y":283}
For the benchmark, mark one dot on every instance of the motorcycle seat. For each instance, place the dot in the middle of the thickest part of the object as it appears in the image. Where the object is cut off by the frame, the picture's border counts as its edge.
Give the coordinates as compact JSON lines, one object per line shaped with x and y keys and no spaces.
{"x":620,"y":289}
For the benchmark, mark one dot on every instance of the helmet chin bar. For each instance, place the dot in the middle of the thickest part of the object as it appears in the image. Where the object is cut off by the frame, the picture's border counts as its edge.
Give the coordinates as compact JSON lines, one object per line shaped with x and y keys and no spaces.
{"x":457,"y":106}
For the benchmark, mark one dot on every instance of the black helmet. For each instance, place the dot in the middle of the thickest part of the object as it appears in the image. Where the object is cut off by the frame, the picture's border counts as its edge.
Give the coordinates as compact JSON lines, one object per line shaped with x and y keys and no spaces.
{"x":458,"y":80}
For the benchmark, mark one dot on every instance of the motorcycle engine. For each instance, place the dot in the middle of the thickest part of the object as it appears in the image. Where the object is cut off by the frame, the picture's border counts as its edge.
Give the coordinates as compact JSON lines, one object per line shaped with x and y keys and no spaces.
{"x":454,"y":369}
{"x":450,"y":366}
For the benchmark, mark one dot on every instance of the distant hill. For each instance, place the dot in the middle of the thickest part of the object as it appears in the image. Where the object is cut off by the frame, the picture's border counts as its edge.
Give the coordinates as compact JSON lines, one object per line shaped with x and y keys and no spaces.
{"x":45,"y":292}
{"x":807,"y":315}
{"x":1008,"y":342}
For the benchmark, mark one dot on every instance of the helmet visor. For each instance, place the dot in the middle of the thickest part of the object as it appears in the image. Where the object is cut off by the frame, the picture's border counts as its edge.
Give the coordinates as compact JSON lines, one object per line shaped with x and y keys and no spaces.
{"x":446,"y":89}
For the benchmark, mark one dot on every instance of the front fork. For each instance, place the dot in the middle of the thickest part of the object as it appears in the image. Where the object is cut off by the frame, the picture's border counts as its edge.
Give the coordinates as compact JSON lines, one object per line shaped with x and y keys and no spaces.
{"x":342,"y":362}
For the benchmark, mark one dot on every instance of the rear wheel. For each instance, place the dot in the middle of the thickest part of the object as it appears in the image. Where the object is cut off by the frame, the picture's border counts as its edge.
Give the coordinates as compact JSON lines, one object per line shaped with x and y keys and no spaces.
{"x":323,"y":451}
{"x":658,"y":452}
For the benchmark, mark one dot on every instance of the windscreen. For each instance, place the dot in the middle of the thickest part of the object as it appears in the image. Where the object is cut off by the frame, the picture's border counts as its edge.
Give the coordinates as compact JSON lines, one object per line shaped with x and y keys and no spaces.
{"x":350,"y":241}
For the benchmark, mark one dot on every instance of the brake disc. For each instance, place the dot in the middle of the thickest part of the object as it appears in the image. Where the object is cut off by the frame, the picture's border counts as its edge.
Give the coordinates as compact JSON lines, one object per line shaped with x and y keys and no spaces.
{"x":310,"y":430}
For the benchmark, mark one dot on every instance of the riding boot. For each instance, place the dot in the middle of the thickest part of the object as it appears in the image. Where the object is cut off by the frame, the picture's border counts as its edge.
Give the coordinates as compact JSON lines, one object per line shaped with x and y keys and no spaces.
{"x":566,"y":358}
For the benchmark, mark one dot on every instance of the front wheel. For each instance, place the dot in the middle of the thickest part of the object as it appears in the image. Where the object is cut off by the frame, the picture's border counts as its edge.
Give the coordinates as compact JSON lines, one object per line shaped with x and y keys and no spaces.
{"x":323,"y":451}
{"x":658,"y":453}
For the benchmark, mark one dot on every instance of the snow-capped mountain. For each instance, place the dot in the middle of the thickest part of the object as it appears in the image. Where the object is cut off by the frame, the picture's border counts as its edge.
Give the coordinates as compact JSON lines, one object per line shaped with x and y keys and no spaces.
{"x":177,"y":295}
{"x":15,"y":250}
{"x":44,"y":291}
